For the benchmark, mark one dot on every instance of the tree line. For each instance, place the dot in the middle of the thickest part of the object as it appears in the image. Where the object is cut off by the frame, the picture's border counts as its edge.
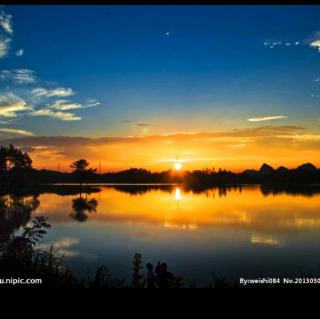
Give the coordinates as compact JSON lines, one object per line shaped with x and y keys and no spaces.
{"x":16,"y":169}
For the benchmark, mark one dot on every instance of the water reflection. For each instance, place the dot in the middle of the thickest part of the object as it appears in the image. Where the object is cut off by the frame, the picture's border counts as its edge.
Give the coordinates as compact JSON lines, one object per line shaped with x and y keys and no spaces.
{"x":63,"y":247}
{"x":259,"y":208}
{"x":262,"y":239}
{"x":141,"y":189}
{"x":222,"y":191}
{"x":178,"y":194}
{"x":15,"y":212}
{"x":293,"y":190}
{"x":254,"y":207}
{"x":232,"y":227}
{"x":81,"y":206}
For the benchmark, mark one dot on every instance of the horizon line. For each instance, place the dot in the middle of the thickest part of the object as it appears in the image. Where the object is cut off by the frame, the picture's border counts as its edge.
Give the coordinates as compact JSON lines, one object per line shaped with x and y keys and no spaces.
{"x":216,"y":170}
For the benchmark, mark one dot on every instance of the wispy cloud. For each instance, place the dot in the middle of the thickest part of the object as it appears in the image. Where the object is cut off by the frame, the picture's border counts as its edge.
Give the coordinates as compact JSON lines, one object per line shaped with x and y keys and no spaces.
{"x":11,"y":105}
{"x":5,"y":34}
{"x":4,"y":47}
{"x":24,"y":76}
{"x":18,"y":76}
{"x":64,"y":105}
{"x":92,"y":103}
{"x":58,"y":92}
{"x":256,"y":132}
{"x":63,"y":116}
{"x":16,"y":131}
{"x":11,"y":110}
{"x":144,"y":125}
{"x":315,"y":44}
{"x":267,"y":118}
{"x":19,"y":52}
{"x":6,"y":22}
{"x":231,"y":148}
{"x":285,"y":43}
{"x":140,"y":124}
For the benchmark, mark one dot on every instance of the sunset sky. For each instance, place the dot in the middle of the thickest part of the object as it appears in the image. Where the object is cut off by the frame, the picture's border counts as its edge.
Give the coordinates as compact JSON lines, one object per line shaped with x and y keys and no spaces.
{"x":140,"y":86}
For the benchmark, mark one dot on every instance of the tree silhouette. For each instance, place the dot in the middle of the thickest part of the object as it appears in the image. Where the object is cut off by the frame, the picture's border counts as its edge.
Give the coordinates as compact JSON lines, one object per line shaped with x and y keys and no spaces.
{"x":137,"y":276}
{"x":81,"y":172}
{"x":12,"y":158}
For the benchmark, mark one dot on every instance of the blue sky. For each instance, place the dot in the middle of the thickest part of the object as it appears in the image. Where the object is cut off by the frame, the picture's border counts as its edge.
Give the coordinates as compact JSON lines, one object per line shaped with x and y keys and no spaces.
{"x":213,"y":64}
{"x":97,"y":71}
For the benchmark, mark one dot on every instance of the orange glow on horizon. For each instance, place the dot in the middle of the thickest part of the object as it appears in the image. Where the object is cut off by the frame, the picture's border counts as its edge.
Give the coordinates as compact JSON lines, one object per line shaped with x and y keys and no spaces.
{"x":234,"y":150}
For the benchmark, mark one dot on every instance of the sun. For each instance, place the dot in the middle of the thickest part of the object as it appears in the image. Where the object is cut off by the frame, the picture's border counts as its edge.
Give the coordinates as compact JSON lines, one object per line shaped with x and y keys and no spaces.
{"x":177,"y":166}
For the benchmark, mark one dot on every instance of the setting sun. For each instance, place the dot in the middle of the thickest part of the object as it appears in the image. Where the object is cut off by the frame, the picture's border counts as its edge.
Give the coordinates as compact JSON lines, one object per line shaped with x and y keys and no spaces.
{"x":177,"y":166}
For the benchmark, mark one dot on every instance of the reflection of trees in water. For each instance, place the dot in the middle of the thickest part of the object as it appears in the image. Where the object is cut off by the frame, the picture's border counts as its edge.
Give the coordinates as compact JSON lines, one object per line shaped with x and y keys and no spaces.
{"x":81,"y":206}
{"x":212,"y":191}
{"x":15,"y":212}
{"x":223,"y":190}
{"x":142,"y":189}
{"x":293,"y":190}
{"x":135,"y":190}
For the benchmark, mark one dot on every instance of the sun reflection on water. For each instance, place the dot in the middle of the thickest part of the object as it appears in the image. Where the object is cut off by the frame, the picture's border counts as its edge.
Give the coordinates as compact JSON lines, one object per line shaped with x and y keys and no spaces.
{"x":178,"y":194}
{"x":244,"y":210}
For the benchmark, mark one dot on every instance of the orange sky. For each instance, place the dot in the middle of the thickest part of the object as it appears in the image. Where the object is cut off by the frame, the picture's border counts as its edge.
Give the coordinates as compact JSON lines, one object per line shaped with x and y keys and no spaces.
{"x":236,"y":150}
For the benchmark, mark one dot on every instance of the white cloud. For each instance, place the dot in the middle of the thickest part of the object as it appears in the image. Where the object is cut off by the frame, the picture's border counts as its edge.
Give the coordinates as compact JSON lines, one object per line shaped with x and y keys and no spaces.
{"x":63,"y":105}
{"x":92,"y":103}
{"x":19,"y":52}
{"x":4,"y":47}
{"x":11,"y":110}
{"x":59,"y":92}
{"x":5,"y":75}
{"x":315,"y":44}
{"x":267,"y":118}
{"x":18,"y":76}
{"x":24,"y":76}
{"x":6,"y":22}
{"x":286,"y":43}
{"x":16,"y":131}
{"x":58,"y":109}
{"x":63,"y":116}
{"x":11,"y":105}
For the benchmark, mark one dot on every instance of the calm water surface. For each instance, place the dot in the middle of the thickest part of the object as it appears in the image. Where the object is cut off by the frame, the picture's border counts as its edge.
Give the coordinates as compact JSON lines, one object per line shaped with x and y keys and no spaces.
{"x":232,"y":232}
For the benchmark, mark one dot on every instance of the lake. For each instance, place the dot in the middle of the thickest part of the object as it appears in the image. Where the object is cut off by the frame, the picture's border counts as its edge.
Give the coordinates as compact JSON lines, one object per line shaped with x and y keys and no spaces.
{"x":232,"y":231}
